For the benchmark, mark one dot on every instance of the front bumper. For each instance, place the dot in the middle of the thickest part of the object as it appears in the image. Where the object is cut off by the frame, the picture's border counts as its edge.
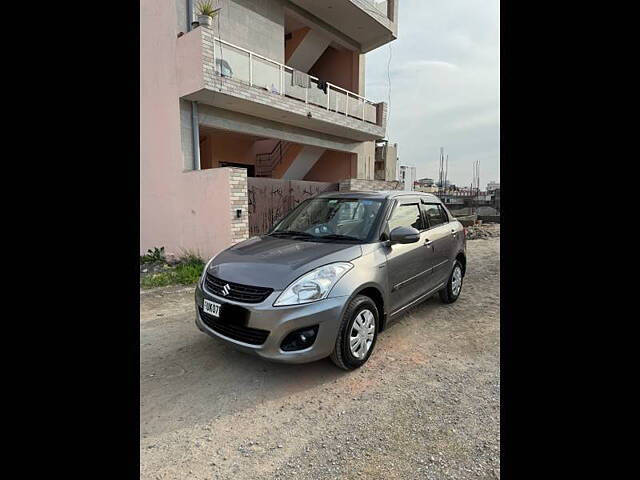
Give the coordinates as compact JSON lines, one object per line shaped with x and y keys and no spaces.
{"x":280,"y":321}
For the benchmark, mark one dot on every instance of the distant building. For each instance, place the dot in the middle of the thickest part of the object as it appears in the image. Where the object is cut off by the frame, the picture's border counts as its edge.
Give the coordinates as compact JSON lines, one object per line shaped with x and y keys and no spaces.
{"x":407,"y":176}
{"x":418,"y":187}
{"x":495,"y":199}
{"x":451,"y":200}
{"x":425,"y":182}
{"x":386,"y":161}
{"x":492,"y":186}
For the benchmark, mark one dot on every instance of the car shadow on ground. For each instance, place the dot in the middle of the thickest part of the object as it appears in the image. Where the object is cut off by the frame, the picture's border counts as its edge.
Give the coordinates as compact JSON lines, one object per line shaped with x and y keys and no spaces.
{"x":204,"y":379}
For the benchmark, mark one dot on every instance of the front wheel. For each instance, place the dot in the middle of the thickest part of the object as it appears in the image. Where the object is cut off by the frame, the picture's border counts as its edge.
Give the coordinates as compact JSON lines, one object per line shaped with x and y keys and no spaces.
{"x":451,"y":291}
{"x":357,"y":334}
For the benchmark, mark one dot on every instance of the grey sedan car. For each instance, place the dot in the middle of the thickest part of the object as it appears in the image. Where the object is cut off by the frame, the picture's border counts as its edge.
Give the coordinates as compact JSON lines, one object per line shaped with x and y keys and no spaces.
{"x":331,"y":275}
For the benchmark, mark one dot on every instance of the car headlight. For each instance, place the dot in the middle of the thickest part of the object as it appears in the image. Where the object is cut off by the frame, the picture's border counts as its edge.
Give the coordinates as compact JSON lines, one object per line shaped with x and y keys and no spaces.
{"x":314,"y":285}
{"x":204,"y":272}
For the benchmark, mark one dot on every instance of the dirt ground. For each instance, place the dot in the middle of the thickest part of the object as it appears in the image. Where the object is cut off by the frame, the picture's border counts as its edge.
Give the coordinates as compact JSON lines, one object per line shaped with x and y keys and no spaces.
{"x":425,"y":406}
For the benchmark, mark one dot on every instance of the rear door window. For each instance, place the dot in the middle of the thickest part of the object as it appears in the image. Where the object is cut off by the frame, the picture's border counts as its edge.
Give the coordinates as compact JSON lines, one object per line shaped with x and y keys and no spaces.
{"x":435,"y":214}
{"x":406,"y":215}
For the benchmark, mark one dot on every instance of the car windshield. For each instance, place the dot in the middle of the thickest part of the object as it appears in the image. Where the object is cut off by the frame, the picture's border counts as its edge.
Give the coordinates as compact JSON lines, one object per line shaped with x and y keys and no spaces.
{"x":330,"y":219}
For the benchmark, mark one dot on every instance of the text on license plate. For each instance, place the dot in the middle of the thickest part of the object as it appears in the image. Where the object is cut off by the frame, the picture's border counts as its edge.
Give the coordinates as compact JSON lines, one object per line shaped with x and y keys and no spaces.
{"x":212,"y":308}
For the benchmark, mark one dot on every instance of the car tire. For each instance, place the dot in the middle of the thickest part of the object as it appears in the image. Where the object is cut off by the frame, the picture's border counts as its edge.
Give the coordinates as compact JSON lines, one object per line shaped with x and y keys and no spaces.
{"x":363,"y":310}
{"x":451,"y":291}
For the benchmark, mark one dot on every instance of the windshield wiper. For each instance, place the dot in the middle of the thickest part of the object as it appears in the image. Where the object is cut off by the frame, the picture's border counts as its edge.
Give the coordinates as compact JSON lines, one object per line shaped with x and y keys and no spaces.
{"x":293,"y":233}
{"x":336,"y":236}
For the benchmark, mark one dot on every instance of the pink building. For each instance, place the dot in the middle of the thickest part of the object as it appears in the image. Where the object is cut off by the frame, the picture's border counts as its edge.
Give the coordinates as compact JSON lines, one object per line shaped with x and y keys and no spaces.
{"x":241,"y":119}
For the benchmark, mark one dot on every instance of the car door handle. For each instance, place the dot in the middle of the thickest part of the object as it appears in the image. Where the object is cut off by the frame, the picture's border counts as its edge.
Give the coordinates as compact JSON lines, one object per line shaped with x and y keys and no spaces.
{"x":428,"y":242}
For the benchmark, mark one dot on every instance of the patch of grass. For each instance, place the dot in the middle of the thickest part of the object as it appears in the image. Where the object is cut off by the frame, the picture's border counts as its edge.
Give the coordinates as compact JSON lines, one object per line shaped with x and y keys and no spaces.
{"x":187,"y":271}
{"x":189,"y":257}
{"x":182,"y":274}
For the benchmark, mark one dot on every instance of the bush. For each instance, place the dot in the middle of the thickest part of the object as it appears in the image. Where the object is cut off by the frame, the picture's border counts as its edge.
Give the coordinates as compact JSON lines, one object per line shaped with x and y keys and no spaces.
{"x":187,"y":271}
{"x":155,"y":255}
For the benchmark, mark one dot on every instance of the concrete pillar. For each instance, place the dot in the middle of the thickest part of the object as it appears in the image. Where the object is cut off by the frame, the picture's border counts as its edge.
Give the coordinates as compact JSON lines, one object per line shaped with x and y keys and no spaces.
{"x":366,"y":157}
{"x":361,"y":76}
{"x":366,"y":152}
{"x":391,"y":162}
{"x":186,"y":135}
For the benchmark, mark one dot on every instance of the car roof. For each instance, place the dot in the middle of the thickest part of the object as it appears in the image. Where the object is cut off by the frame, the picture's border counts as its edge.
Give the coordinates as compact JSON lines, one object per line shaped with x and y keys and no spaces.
{"x":379,"y":194}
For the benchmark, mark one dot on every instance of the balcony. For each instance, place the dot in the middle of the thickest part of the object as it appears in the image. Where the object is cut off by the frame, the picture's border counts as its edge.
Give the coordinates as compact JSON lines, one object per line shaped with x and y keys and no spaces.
{"x":371,"y":23}
{"x":220,"y":74}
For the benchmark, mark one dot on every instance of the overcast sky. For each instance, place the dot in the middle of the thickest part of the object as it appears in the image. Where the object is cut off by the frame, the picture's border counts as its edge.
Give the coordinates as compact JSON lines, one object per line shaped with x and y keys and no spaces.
{"x":445,"y":86}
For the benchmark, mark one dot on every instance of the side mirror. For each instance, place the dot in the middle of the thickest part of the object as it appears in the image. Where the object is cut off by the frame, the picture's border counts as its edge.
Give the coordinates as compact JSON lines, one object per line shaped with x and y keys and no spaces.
{"x":404,"y":235}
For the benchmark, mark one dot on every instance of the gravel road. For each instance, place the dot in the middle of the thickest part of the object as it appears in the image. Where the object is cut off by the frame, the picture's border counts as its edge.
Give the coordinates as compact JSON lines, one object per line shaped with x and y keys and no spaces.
{"x":425,"y":406}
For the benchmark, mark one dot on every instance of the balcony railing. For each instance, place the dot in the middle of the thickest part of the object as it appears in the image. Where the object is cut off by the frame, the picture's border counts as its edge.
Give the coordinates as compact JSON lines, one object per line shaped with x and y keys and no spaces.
{"x":255,"y":70}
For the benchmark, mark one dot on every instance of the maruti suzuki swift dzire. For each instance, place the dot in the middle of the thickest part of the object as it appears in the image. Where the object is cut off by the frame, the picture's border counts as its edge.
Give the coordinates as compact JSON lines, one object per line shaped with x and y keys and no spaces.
{"x":329,"y":276}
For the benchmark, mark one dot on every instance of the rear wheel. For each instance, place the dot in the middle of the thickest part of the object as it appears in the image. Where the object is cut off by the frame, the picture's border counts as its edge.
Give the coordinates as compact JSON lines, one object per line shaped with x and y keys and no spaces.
{"x":357,"y":334}
{"x":451,"y":291}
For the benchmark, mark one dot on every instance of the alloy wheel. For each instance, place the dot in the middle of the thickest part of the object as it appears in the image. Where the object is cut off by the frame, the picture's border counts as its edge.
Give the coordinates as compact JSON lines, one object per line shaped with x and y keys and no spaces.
{"x":456,"y":281}
{"x":362,"y":334}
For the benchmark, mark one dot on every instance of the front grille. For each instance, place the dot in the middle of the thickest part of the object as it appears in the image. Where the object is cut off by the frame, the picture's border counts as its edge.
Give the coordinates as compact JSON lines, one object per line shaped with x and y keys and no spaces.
{"x":236,"y":291}
{"x":249,"y":335}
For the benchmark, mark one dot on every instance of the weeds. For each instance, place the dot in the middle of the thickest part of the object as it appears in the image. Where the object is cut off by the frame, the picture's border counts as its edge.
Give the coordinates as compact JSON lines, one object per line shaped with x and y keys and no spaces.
{"x":155,"y":255}
{"x":189,"y":257}
{"x":186,"y":271}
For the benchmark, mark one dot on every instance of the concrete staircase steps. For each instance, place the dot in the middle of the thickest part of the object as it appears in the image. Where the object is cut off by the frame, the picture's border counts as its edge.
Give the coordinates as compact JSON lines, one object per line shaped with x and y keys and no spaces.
{"x":266,"y":162}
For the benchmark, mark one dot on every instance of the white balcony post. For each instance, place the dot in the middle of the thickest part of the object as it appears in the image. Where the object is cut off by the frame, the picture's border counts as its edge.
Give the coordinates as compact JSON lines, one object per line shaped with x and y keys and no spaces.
{"x":281,"y":80}
{"x":346,"y":107}
{"x":328,"y":95}
{"x":306,"y":95}
{"x":214,"y":57}
{"x":364,"y":103}
{"x":251,"y":69}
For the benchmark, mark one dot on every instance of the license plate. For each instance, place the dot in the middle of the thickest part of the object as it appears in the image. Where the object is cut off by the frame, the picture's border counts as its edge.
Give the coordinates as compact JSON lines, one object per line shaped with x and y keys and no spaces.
{"x":212,"y":308}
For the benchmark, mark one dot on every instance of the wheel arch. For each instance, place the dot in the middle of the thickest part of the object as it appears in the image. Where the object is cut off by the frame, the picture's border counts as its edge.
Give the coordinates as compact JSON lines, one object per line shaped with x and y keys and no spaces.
{"x":374,"y":292}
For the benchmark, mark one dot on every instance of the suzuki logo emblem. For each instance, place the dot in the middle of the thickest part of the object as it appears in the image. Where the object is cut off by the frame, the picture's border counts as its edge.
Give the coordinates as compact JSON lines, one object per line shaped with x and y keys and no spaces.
{"x":226,"y":289}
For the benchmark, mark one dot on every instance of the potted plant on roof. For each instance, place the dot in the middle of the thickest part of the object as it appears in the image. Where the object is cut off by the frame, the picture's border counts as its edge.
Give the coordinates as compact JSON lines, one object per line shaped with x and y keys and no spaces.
{"x":206,"y":12}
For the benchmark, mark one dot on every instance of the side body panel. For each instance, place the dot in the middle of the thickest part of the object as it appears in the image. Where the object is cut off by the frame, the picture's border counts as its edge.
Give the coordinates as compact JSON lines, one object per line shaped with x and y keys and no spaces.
{"x":409,"y":266}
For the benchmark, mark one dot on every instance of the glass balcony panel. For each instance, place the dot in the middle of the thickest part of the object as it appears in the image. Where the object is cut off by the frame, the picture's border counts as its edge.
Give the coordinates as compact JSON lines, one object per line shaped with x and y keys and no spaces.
{"x":338,"y":101}
{"x":355,"y":107}
{"x":231,"y":62}
{"x":266,"y":75}
{"x":370,"y":113}
{"x":317,"y":96}
{"x":293,"y":91}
